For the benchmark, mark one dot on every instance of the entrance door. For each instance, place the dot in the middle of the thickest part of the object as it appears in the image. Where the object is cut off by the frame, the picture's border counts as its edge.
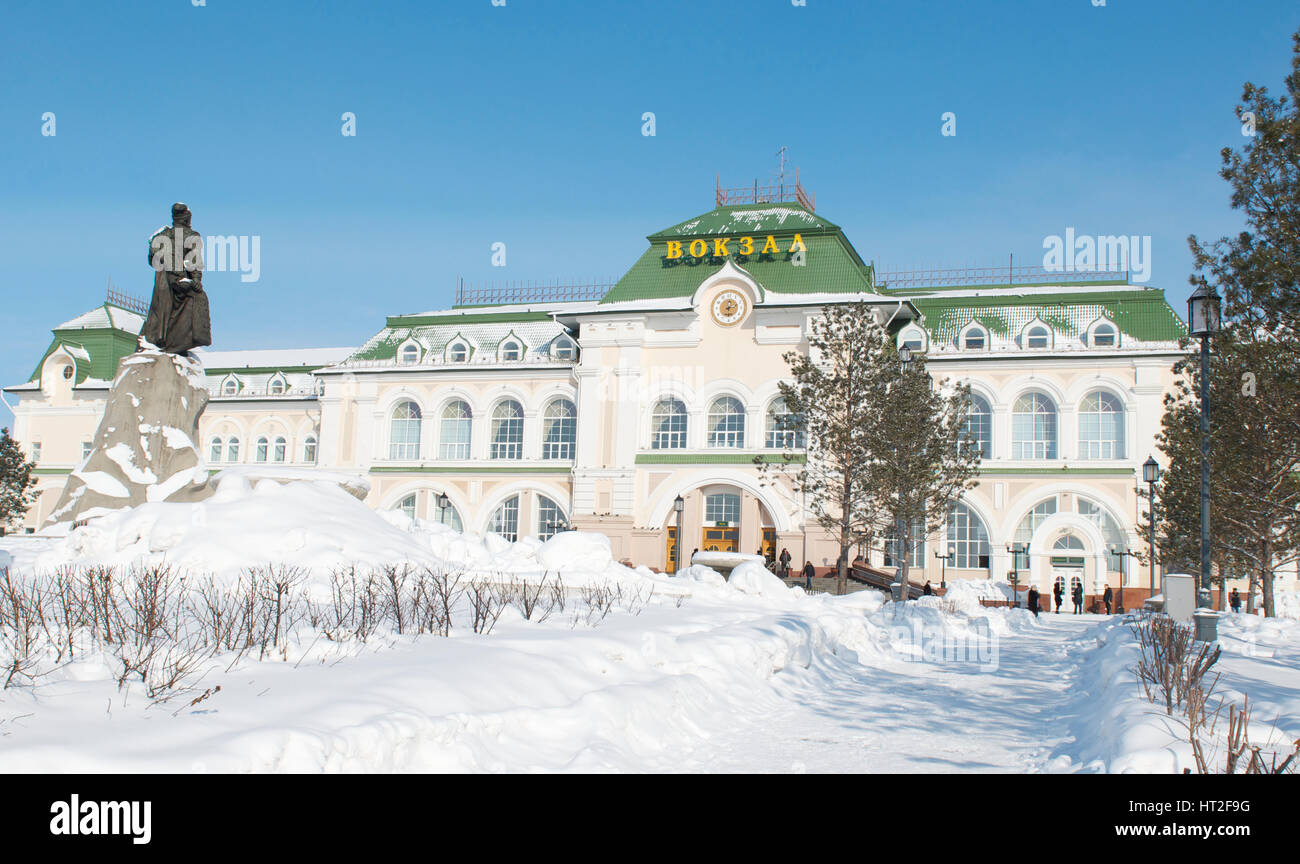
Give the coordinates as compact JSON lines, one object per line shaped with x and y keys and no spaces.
{"x":769,"y":543}
{"x":671,"y":556}
{"x":720,"y":540}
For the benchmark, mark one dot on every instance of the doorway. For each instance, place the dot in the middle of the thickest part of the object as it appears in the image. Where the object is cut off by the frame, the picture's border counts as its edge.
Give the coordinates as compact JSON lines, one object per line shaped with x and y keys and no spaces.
{"x":720,"y":540}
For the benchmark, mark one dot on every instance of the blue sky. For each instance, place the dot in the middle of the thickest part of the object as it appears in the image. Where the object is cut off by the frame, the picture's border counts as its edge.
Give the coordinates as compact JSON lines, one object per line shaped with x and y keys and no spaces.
{"x":479,"y":124}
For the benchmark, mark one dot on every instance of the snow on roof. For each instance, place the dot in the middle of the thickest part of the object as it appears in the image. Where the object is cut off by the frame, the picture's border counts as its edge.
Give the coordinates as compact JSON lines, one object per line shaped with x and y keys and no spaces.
{"x":283,"y":358}
{"x":105,"y":315}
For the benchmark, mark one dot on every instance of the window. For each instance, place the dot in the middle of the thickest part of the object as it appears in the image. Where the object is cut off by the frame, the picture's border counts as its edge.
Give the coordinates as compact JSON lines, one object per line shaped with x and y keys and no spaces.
{"x":448,"y":516}
{"x":262,"y":445}
{"x":722,"y":507}
{"x":67,"y":373}
{"x":1035,"y":517}
{"x":407,"y":506}
{"x":1103,"y":336}
{"x":1101,"y":426}
{"x":320,"y":386}
{"x":1033,"y":427}
{"x":404,"y":432}
{"x":668,"y":425}
{"x":458,"y":352}
{"x":912,"y":338}
{"x":454,"y":434}
{"x":511,"y":351}
{"x":86,"y":447}
{"x":410,"y":354}
{"x":277,"y":386}
{"x":232,"y":449}
{"x":36,"y":451}
{"x":727,"y":423}
{"x":278,"y":453}
{"x":230,"y":387}
{"x":550,"y":518}
{"x":507,"y":431}
{"x":1038,"y":336}
{"x":505,"y":519}
{"x":1110,"y":530}
{"x":916,"y":554}
{"x":979,"y":425}
{"x":559,"y":430}
{"x":1068,"y":550}
{"x":309,"y":449}
{"x":968,"y":538}
{"x":564,"y":349}
{"x":214,"y":450}
{"x":975,"y":339}
{"x":784,"y":428}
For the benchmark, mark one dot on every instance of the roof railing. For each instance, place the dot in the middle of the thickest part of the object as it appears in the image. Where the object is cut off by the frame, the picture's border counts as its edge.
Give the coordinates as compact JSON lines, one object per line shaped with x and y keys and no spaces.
{"x":769,"y":193}
{"x":138,"y":305}
{"x":494,"y":294}
{"x":996,"y":275}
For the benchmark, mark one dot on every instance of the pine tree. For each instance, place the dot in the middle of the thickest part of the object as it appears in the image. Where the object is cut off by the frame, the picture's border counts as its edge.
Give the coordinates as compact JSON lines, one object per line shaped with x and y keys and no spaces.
{"x":17,"y":487}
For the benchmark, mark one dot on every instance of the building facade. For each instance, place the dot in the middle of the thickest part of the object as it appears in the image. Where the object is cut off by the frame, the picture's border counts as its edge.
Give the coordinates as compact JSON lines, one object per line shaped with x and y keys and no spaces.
{"x":529,"y":414}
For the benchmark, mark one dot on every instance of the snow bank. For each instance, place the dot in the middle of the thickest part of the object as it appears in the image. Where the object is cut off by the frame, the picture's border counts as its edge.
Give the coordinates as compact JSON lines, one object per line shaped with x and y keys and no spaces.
{"x":751,"y":577}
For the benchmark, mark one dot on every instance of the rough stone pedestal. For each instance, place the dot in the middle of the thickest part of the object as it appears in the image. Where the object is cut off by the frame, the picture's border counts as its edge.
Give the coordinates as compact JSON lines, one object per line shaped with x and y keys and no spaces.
{"x":144,"y":450}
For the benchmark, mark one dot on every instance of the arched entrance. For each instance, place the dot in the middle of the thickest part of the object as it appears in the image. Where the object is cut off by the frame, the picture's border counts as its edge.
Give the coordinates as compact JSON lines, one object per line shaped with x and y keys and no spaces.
{"x":719,"y":517}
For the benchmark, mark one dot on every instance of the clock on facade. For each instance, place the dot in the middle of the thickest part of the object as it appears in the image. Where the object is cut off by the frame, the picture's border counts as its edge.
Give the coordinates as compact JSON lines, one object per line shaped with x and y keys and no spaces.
{"x":729,"y":308}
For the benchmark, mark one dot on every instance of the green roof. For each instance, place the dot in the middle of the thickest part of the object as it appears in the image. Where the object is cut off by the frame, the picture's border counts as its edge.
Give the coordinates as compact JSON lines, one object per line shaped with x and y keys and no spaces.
{"x":104,"y":340}
{"x":1141,"y":313}
{"x":830,"y":263}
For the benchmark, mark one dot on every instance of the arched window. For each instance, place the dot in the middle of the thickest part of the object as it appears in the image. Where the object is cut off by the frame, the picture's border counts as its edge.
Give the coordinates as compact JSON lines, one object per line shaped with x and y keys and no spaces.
{"x":916,"y":552}
{"x":1028,"y":525}
{"x":784,"y":428}
{"x":967,"y":538}
{"x":277,"y":386}
{"x":407,"y":505}
{"x":550,"y":518}
{"x":975,"y":339}
{"x":458,"y":352}
{"x":320,"y":386}
{"x":505,"y":519}
{"x":559,"y":430}
{"x":1038,"y":336}
{"x":913,"y":338}
{"x":309,"y":450}
{"x":979,"y":425}
{"x":448,"y":515}
{"x":726,"y":423}
{"x":404,"y":431}
{"x":1101,"y":426}
{"x":507,"y":431}
{"x":278,"y":453}
{"x":260,"y":452}
{"x":1033,"y":427}
{"x":1103,"y":336}
{"x":511,"y":351}
{"x":454,"y":434}
{"x":668,"y":425}
{"x":564,"y":349}
{"x":230,"y":387}
{"x":232,"y":449}
{"x":410,"y":354}
{"x":1110,"y":530}
{"x":1067,"y":551}
{"x":214,"y":450}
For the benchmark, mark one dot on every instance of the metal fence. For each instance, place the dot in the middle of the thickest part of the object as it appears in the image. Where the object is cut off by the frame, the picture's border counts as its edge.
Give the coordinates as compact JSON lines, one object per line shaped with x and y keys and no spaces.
{"x":497,"y":294}
{"x":1009,"y":275}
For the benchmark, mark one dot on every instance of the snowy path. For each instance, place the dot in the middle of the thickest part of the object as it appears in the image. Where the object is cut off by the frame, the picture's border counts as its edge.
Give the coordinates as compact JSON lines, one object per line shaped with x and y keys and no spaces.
{"x":947,"y":718}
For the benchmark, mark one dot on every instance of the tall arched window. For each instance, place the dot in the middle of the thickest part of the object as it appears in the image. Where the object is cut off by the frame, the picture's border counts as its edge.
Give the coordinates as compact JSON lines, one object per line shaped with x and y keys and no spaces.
{"x":979,"y":425}
{"x":454,"y":434}
{"x":1110,"y":530}
{"x":1028,"y":525}
{"x":407,"y":505}
{"x":309,"y":450}
{"x":232,"y":449}
{"x":968,"y":539}
{"x":279,"y":451}
{"x":508,"y":431}
{"x":784,"y":428}
{"x":550,"y":518}
{"x":1101,"y":426}
{"x":214,"y":450}
{"x":668,"y":425}
{"x":260,"y":453}
{"x":448,"y":515}
{"x":404,"y":431}
{"x":559,"y":430}
{"x":505,"y":519}
{"x":726,"y":423}
{"x":1033,"y":427}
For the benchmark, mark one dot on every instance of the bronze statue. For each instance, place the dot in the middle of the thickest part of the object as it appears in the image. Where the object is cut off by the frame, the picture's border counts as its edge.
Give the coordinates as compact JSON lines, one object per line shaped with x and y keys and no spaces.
{"x":178,"y":314}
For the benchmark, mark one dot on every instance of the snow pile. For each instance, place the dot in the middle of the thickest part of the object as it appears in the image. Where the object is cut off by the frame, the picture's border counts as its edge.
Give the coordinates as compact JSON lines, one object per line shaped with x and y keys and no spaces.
{"x":751,"y":577}
{"x":966,"y":594}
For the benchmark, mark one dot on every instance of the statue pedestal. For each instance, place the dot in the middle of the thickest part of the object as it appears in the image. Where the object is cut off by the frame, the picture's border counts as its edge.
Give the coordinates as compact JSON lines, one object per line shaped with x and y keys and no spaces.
{"x":145,"y":448}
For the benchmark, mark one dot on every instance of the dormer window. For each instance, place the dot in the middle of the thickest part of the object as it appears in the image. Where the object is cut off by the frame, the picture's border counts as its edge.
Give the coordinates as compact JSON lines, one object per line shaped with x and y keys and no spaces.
{"x":511,"y":351}
{"x":912,"y":337}
{"x":277,"y":386}
{"x":564,"y":349}
{"x":1104,"y":336}
{"x":1038,"y":336}
{"x":408,"y":354}
{"x":67,"y":373}
{"x":973,"y":337}
{"x":458,"y":352}
{"x":230,"y":387}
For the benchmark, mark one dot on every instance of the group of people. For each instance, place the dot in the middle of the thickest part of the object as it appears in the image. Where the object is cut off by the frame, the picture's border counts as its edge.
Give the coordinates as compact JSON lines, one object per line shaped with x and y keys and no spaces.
{"x":1076,"y":596}
{"x":780,"y":564}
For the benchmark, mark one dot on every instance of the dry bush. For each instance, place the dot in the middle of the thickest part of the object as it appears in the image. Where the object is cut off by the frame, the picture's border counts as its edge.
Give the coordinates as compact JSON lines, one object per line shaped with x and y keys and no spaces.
{"x":1173,"y":665}
{"x":485,"y":604}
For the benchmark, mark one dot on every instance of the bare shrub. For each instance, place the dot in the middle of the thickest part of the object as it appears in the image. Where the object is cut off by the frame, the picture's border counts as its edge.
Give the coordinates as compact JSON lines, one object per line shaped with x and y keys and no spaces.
{"x":485,"y":606}
{"x":1172,"y":664}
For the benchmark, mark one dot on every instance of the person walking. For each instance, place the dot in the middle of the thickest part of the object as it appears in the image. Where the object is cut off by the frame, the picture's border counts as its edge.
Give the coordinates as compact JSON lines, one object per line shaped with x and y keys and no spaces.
{"x":1106,"y":598}
{"x":927,"y":591}
{"x":1077,"y":597}
{"x":1059,"y":593}
{"x":808,"y":572}
{"x":1033,"y":600}
{"x":1234,"y":600}
{"x":785,"y":562}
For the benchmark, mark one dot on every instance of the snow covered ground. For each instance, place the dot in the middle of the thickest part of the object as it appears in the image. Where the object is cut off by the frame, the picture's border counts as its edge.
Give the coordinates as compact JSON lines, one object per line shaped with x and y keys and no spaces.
{"x":638,"y":672}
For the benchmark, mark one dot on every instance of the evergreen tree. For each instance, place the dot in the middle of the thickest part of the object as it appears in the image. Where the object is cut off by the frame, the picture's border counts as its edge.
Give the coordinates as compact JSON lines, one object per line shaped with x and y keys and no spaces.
{"x":17,"y":487}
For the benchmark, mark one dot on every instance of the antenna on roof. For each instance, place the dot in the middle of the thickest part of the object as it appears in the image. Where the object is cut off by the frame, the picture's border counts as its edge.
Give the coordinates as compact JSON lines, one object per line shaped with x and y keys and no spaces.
{"x":780,"y":175}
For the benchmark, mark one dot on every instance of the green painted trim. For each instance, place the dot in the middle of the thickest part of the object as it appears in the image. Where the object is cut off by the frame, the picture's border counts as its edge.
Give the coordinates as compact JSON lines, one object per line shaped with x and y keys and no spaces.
{"x":1038,"y":472}
{"x":715,"y":459}
{"x":447,"y":469}
{"x":51,"y":470}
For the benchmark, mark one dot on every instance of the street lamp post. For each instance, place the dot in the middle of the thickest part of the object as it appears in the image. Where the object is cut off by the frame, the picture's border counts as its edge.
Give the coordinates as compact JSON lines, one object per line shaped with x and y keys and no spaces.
{"x":443,"y":503}
{"x":1123,"y":569}
{"x":1015,"y":549}
{"x":943,"y":570}
{"x":679,"y":505}
{"x":900,"y":524}
{"x":1150,"y":474}
{"x":1202,"y":323}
